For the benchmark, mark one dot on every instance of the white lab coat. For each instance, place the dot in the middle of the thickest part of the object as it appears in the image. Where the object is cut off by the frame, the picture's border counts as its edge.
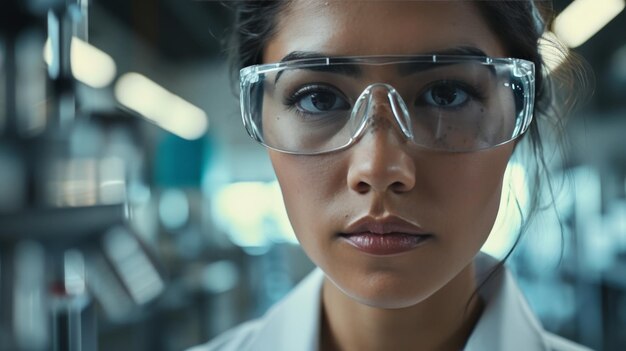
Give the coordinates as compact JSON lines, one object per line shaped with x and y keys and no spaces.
{"x":506,"y":324}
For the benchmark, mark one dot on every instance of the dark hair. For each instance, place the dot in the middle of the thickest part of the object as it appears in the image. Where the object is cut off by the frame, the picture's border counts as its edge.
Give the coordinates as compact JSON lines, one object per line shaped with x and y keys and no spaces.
{"x":254,"y":25}
{"x":518,"y":24}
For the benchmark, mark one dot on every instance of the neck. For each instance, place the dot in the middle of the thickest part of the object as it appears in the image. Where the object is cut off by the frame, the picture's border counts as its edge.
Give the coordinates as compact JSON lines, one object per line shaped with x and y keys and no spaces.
{"x":444,"y":321}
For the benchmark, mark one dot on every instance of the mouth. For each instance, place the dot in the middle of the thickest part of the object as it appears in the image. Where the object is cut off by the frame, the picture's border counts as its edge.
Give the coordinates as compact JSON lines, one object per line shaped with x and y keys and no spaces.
{"x":384,"y":237}
{"x":385,"y":244}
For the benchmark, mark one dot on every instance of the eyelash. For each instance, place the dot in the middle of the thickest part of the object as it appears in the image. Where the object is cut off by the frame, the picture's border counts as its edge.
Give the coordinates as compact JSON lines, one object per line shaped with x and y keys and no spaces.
{"x":470,"y":90}
{"x":291,"y":100}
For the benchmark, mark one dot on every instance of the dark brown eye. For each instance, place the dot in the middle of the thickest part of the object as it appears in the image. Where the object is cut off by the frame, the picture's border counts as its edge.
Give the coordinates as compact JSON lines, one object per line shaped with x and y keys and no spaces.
{"x":445,"y":95}
{"x":318,"y":101}
{"x":323,"y":101}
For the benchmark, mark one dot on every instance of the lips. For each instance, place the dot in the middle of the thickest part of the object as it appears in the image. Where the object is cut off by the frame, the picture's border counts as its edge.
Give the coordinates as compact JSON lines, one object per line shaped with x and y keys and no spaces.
{"x":387,"y":236}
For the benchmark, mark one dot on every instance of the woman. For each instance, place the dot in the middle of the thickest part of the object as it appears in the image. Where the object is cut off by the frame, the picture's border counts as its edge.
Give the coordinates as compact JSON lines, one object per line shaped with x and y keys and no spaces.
{"x":389,"y":125}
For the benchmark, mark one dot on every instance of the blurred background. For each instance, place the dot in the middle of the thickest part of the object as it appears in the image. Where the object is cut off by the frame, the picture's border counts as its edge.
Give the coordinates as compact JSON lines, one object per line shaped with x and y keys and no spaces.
{"x":136,"y":214}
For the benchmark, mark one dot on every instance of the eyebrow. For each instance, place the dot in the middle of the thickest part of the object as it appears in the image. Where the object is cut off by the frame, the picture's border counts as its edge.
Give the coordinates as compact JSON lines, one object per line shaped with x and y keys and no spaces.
{"x":350,"y":67}
{"x":414,"y":67}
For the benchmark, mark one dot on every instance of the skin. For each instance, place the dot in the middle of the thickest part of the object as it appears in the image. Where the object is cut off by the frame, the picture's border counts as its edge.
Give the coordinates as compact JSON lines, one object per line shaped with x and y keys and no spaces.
{"x":419,"y":300}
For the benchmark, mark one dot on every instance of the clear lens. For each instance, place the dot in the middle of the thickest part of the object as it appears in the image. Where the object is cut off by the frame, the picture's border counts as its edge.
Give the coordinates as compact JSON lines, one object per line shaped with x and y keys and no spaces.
{"x":452,"y":104}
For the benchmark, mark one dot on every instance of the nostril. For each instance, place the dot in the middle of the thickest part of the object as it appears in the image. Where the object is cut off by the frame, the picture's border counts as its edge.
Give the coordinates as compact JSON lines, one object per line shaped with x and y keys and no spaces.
{"x":399,"y":187}
{"x":362,"y":187}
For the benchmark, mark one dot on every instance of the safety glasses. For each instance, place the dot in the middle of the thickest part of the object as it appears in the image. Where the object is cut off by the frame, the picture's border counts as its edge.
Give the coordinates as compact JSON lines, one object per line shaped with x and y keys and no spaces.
{"x":445,"y":103}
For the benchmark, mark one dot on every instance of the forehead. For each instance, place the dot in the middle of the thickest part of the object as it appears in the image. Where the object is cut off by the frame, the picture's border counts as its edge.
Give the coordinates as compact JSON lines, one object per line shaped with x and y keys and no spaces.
{"x":366,"y":27}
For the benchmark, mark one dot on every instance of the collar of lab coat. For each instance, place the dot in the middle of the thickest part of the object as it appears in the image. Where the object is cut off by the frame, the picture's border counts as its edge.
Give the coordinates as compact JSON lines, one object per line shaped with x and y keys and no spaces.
{"x":506,"y":323}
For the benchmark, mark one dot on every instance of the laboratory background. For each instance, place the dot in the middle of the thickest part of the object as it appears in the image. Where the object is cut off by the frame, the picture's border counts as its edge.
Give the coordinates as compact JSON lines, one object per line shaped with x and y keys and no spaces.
{"x":137,"y":214}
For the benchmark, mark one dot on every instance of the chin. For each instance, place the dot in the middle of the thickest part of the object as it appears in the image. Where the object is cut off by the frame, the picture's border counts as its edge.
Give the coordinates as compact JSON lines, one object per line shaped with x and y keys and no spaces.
{"x":389,"y":303}
{"x":385,"y":292}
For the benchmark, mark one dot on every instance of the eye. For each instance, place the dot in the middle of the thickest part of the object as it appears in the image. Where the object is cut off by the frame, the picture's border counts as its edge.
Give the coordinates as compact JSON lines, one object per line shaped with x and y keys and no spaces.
{"x":319,"y":100}
{"x":445,"y":95}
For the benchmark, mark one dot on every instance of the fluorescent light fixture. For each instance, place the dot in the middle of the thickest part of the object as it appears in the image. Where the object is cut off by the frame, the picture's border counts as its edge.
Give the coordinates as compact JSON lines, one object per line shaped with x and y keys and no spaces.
{"x":552,"y":50}
{"x":90,"y":65}
{"x":164,"y":108}
{"x":584,"y":18}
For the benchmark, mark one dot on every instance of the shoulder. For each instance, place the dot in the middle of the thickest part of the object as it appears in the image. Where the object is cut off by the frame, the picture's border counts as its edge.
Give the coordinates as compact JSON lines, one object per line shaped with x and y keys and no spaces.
{"x":291,"y":324}
{"x":558,"y":343}
{"x":240,"y":338}
{"x":508,"y":322}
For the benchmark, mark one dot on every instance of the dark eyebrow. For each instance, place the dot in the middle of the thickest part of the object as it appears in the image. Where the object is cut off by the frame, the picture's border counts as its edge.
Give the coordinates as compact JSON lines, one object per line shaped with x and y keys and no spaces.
{"x":414,"y":67}
{"x":353,"y":70}
{"x":346,"y":68}
{"x":460,"y":51}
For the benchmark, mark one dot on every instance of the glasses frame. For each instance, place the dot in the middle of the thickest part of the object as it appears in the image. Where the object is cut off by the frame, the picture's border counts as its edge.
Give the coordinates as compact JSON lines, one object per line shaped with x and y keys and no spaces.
{"x":251,"y":74}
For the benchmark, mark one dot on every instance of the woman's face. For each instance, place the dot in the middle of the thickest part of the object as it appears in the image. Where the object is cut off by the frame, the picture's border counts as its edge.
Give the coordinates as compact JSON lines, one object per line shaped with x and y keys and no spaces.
{"x":383,"y":180}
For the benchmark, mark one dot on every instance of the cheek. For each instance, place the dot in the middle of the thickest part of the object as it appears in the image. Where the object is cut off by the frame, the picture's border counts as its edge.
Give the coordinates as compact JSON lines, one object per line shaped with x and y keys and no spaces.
{"x":310,"y":187}
{"x":465,"y":190}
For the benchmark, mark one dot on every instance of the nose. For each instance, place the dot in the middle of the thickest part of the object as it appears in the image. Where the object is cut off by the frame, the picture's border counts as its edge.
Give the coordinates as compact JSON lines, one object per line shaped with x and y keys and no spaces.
{"x":380,"y":159}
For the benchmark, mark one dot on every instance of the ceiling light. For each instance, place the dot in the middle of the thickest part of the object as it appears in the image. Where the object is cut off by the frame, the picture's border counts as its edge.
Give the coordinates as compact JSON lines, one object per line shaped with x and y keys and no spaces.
{"x":167,"y":110}
{"x":552,"y":51}
{"x":90,"y":65}
{"x":584,"y":18}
